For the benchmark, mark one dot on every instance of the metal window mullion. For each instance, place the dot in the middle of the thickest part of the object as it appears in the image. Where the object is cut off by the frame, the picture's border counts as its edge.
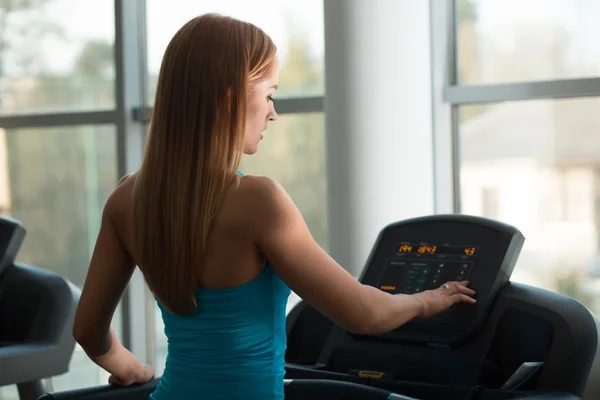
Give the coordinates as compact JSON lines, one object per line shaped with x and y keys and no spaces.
{"x":58,"y":119}
{"x":130,"y":60}
{"x":453,"y":120}
{"x":552,"y":89}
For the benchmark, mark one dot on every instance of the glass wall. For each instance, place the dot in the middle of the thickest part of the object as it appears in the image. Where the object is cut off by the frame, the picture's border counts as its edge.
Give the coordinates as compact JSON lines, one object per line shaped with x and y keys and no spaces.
{"x":57,"y":180}
{"x":528,"y":145}
{"x":51,"y":61}
{"x":520,"y":41}
{"x":296,"y":27}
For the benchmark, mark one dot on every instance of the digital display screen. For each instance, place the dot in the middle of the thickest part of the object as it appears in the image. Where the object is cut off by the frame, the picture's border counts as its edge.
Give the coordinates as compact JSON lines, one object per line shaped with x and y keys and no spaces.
{"x":433,"y":249}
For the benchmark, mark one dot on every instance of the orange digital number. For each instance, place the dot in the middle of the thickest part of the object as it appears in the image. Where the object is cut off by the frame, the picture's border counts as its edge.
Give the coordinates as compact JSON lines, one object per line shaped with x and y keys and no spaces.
{"x":405,"y":248}
{"x":427,"y":249}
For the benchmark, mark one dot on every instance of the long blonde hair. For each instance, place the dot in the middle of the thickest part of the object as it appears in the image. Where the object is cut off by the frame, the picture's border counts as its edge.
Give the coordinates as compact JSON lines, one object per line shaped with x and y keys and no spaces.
{"x":193,"y":149}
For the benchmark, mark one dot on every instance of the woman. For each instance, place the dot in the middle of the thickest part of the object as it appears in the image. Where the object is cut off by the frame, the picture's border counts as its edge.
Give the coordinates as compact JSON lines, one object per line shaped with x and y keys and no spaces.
{"x":220,"y":251}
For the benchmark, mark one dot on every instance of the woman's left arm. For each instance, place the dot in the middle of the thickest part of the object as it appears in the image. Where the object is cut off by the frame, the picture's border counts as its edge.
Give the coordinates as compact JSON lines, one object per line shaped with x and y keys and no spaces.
{"x":109,"y":273}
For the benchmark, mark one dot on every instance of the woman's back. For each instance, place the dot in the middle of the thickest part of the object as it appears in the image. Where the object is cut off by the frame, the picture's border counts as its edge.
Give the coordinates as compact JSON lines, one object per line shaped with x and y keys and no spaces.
{"x":235,"y":343}
{"x":234,"y":346}
{"x":232,"y":258}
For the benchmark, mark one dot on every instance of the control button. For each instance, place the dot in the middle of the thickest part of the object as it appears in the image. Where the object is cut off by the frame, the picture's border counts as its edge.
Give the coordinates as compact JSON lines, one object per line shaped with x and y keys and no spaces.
{"x":463,"y":270}
{"x":435,"y":281}
{"x":440,"y":268}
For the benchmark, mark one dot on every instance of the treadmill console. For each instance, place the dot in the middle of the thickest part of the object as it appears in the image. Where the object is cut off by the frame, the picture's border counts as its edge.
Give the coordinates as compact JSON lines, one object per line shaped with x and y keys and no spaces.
{"x":424,"y":253}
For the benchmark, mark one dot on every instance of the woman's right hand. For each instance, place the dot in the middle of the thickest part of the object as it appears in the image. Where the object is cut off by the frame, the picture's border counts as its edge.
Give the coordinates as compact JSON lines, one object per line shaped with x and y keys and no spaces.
{"x":142,"y":374}
{"x":440,"y":299}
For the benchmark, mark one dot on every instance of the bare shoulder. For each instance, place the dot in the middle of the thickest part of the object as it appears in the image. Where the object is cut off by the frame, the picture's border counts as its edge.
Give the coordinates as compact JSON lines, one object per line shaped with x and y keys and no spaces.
{"x":119,"y":200}
{"x":258,"y":187}
{"x":264,"y":198}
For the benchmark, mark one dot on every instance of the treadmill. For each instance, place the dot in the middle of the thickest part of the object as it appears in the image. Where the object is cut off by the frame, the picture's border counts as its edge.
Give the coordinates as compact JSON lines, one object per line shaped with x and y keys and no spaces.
{"x":37,"y":308}
{"x":518,"y":342}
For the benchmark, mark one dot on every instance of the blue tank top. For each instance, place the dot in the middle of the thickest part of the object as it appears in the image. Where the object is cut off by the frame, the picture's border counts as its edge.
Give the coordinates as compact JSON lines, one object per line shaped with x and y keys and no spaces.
{"x":234,"y":348}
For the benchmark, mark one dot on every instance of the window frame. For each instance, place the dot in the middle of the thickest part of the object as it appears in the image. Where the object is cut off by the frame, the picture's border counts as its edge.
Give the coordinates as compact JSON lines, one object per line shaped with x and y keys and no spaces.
{"x":449,"y":95}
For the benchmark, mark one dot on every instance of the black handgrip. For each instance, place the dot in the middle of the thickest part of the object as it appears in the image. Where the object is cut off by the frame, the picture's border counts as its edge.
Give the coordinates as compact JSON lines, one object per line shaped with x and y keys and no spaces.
{"x":324,"y":389}
{"x":106,"y":392}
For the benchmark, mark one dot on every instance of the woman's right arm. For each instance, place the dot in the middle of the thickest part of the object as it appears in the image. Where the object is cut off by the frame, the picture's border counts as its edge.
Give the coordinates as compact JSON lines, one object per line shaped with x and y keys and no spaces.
{"x":312,"y":274}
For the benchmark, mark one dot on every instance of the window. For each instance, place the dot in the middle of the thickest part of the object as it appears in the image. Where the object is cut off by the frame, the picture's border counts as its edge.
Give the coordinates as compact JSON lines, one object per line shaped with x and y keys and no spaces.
{"x":521,"y":92}
{"x":52,"y":61}
{"x":56,"y":181}
{"x":541,"y":155}
{"x":293,"y":153}
{"x":59,"y":179}
{"x":534,"y":40}
{"x":296,"y":28}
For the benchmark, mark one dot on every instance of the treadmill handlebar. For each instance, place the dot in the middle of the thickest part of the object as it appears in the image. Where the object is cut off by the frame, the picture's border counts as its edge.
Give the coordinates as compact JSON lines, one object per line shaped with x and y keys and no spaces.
{"x":106,"y":392}
{"x":317,"y":389}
